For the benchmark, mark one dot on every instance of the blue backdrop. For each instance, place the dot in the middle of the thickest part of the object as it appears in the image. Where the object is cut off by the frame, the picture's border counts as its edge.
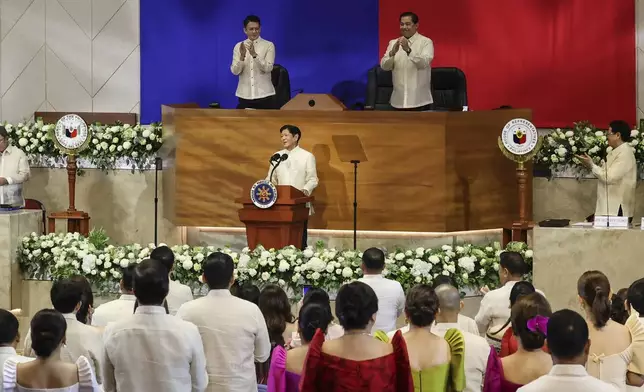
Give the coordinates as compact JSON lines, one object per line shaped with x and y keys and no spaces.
{"x":186,"y":48}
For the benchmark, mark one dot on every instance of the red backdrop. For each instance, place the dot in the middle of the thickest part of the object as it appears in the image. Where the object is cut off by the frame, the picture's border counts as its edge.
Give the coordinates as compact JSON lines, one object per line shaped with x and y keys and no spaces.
{"x":567,"y":60}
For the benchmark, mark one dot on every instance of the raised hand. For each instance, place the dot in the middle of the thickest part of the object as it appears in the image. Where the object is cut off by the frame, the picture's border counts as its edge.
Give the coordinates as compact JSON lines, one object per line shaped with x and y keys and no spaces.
{"x":394,"y":50}
{"x":242,"y":51}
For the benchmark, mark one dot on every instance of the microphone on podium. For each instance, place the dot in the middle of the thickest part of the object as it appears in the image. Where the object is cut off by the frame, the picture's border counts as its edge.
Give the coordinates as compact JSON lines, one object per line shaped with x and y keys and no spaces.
{"x":279,"y":159}
{"x":274,"y":158}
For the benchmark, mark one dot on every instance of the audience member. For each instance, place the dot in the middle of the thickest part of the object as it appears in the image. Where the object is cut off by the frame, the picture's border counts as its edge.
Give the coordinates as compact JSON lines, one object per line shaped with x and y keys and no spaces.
{"x":152,"y":350}
{"x":568,"y":336}
{"x":355,"y":361}
{"x":49,"y":372}
{"x":529,"y":316}
{"x":465,"y":324}
{"x":249,"y":292}
{"x":233,"y":330}
{"x":9,"y":339}
{"x":287,"y":366}
{"x":509,"y":343}
{"x":391,"y":297}
{"x":179,"y":293}
{"x":319,"y":296}
{"x":635,"y":308}
{"x":119,"y":308}
{"x":618,"y":311}
{"x":86,"y":310}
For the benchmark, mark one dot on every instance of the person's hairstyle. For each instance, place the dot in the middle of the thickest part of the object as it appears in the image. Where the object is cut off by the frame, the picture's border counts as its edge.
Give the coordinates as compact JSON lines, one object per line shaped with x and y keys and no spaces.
{"x":449,"y":299}
{"x":513,"y":262}
{"x":8,"y":327}
{"x":274,"y":305}
{"x":593,"y":287}
{"x":164,"y":255}
{"x":444,"y":279}
{"x":83,"y":314}
{"x":218,"y":268}
{"x":318,"y":296}
{"x":519,"y":290}
{"x":151,"y":282}
{"x":313,"y":316}
{"x":165,"y":306}
{"x":621,"y":127}
{"x":252,"y":18}
{"x":567,"y":334}
{"x":373,"y":259}
{"x":3,"y":132}
{"x":413,"y":16}
{"x":526,"y":308}
{"x":65,"y":294}
{"x":48,"y":329}
{"x":635,"y":296}
{"x":618,"y":312}
{"x":293,"y":130}
{"x":128,"y":277}
{"x":249,"y":292}
{"x":355,"y":305}
{"x":421,"y":305}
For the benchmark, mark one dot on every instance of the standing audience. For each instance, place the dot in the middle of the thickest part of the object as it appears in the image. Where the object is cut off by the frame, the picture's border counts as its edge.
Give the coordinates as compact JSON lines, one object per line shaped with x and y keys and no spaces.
{"x":86,"y":310}
{"x":179,"y":293}
{"x":9,"y":339}
{"x":249,"y":292}
{"x":618,"y":311}
{"x":509,"y":344}
{"x":119,"y":308}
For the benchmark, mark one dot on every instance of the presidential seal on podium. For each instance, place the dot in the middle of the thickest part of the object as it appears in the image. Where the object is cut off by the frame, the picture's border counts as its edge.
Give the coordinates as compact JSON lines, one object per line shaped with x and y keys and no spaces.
{"x":263,"y":194}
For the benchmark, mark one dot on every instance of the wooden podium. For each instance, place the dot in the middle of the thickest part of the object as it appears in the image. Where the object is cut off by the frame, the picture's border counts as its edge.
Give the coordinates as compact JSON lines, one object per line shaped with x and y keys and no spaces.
{"x":279,"y":226}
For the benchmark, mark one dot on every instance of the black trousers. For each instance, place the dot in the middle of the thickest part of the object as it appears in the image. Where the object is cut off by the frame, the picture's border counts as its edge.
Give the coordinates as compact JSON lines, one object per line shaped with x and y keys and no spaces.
{"x":261,"y":103}
{"x":418,"y":109}
{"x":305,"y":234}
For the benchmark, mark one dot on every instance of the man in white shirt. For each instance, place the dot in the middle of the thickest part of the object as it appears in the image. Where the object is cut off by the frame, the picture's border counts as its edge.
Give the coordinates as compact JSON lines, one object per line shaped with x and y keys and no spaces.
{"x":119,"y":308}
{"x":9,"y":338}
{"x":477,"y":349}
{"x":14,"y":171}
{"x":179,"y":293}
{"x":253,"y":61}
{"x":391,"y":297}
{"x":617,"y":177}
{"x":569,"y":346}
{"x":298,"y":170}
{"x":233,"y":330}
{"x":81,"y":340}
{"x":409,"y":58}
{"x":151,"y":350}
{"x":635,"y":307}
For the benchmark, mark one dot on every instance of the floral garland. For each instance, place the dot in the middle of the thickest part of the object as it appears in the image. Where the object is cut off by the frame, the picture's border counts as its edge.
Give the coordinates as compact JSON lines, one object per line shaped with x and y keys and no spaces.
{"x":59,"y":255}
{"x":135,"y":144}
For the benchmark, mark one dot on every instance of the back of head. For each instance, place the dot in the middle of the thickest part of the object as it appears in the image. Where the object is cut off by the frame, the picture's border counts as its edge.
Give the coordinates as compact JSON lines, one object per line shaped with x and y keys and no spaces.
{"x":514,"y":263}
{"x":218,"y":269}
{"x":593,"y":287}
{"x":567,"y":335}
{"x":529,"y":328}
{"x":151,"y":282}
{"x":635,"y":296}
{"x":519,"y":290}
{"x":618,"y":312}
{"x":623,"y":128}
{"x":127,"y":280}
{"x":83,"y":313}
{"x":276,"y":308}
{"x":449,"y":299}
{"x":249,"y":292}
{"x":444,"y":280}
{"x":355,"y":305}
{"x":421,"y":305}
{"x":313,"y":316}
{"x":8,"y":327}
{"x":373,"y":259}
{"x":318,"y":296}
{"x":65,"y":295}
{"x":164,"y":255}
{"x":48,"y":329}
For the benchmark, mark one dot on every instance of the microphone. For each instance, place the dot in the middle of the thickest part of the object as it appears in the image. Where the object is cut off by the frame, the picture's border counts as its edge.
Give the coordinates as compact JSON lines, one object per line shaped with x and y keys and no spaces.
{"x":279,"y":159}
{"x":283,"y":157}
{"x":606,"y":188}
{"x":274,"y":158}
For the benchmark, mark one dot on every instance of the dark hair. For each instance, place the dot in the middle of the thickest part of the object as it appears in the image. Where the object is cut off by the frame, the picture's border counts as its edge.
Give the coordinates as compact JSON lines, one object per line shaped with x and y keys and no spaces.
{"x":218,"y":269}
{"x":355,"y":304}
{"x":567,"y":334}
{"x":164,"y":255}
{"x":373,"y":259}
{"x":618,"y":312}
{"x":151,"y":282}
{"x":635,"y":296}
{"x":621,"y":127}
{"x":128,"y":277}
{"x":594,"y":288}
{"x":293,"y":130}
{"x":274,"y":304}
{"x":414,"y":17}
{"x":444,"y":279}
{"x":252,"y":18}
{"x":249,"y":292}
{"x":526,"y":308}
{"x":83,"y":315}
{"x":313,"y":316}
{"x":3,"y":132}
{"x":519,"y":290}
{"x":513,"y":262}
{"x":48,"y":329}
{"x":8,"y":327}
{"x":316,"y":295}
{"x":421,"y":305}
{"x":65,"y":294}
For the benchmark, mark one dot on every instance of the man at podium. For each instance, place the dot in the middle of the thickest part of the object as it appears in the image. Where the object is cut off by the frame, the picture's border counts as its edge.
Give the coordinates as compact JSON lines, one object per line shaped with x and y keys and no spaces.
{"x":14,"y":171}
{"x":294,"y":166}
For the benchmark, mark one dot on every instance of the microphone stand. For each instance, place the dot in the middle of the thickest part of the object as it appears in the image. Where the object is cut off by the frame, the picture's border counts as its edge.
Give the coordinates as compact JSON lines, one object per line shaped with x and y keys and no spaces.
{"x":270,"y":178}
{"x":158,"y":165}
{"x":606,"y":189}
{"x":355,"y":204}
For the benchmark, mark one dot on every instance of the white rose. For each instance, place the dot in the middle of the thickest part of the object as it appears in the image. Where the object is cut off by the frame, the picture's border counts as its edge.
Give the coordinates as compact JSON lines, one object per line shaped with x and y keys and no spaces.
{"x":528,"y":253}
{"x":124,"y":263}
{"x":418,"y":279}
{"x":103,"y":274}
{"x":400,"y":256}
{"x":127,"y":145}
{"x":115,"y":140}
{"x":23,"y":142}
{"x":315,"y":275}
{"x":347,"y":272}
{"x":252,"y":272}
{"x":420,"y":251}
{"x":408,"y":253}
{"x":308,"y":253}
{"x":135,"y":154}
{"x":112,"y":148}
{"x":338,"y":271}
{"x":634,"y":133}
{"x":465,"y":276}
{"x":107,"y":264}
{"x":197,"y":267}
{"x":446,"y":247}
{"x":94,"y":272}
{"x":41,"y":149}
{"x":569,"y":133}
{"x":599,"y":133}
{"x":562,"y":151}
{"x":266,"y":276}
{"x":187,"y":265}
{"x":104,"y":145}
{"x":148,"y":147}
{"x":330,"y":267}
{"x":434,"y":259}
{"x":146,"y":133}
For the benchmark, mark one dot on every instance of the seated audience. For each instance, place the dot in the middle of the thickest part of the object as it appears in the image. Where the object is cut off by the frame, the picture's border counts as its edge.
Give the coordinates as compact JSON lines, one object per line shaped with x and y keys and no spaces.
{"x":48,"y":372}
{"x":618,"y":311}
{"x":287,"y":366}
{"x":529,"y":322}
{"x":179,"y":293}
{"x":391,"y":297}
{"x":321,"y":297}
{"x":119,"y":308}
{"x":355,"y":361}
{"x":569,"y":345}
{"x":9,"y":338}
{"x":86,"y":310}
{"x":152,"y":350}
{"x":509,"y":343}
{"x":233,"y":330}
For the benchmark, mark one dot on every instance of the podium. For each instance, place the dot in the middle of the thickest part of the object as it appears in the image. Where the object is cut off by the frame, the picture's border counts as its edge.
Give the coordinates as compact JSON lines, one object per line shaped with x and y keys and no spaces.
{"x":278,"y":226}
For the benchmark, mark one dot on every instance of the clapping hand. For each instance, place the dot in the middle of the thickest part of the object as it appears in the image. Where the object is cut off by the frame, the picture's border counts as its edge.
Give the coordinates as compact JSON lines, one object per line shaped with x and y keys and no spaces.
{"x":394,"y":50}
{"x":251,"y":49}
{"x":242,"y":51}
{"x":404,"y":42}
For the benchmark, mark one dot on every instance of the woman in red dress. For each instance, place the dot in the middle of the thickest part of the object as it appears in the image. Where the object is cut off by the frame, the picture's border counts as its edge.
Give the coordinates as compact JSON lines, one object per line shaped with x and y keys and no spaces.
{"x":356,"y":362}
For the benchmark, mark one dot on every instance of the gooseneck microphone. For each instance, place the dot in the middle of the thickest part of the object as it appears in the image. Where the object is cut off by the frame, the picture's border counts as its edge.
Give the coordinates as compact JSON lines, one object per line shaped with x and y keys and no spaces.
{"x":606,"y":189}
{"x":278,"y":159}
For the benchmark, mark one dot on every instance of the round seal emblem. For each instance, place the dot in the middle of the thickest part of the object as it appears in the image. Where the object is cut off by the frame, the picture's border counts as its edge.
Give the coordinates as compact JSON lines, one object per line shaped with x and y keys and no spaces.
{"x":71,"y":134}
{"x":263,"y":194}
{"x":519,"y":136}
